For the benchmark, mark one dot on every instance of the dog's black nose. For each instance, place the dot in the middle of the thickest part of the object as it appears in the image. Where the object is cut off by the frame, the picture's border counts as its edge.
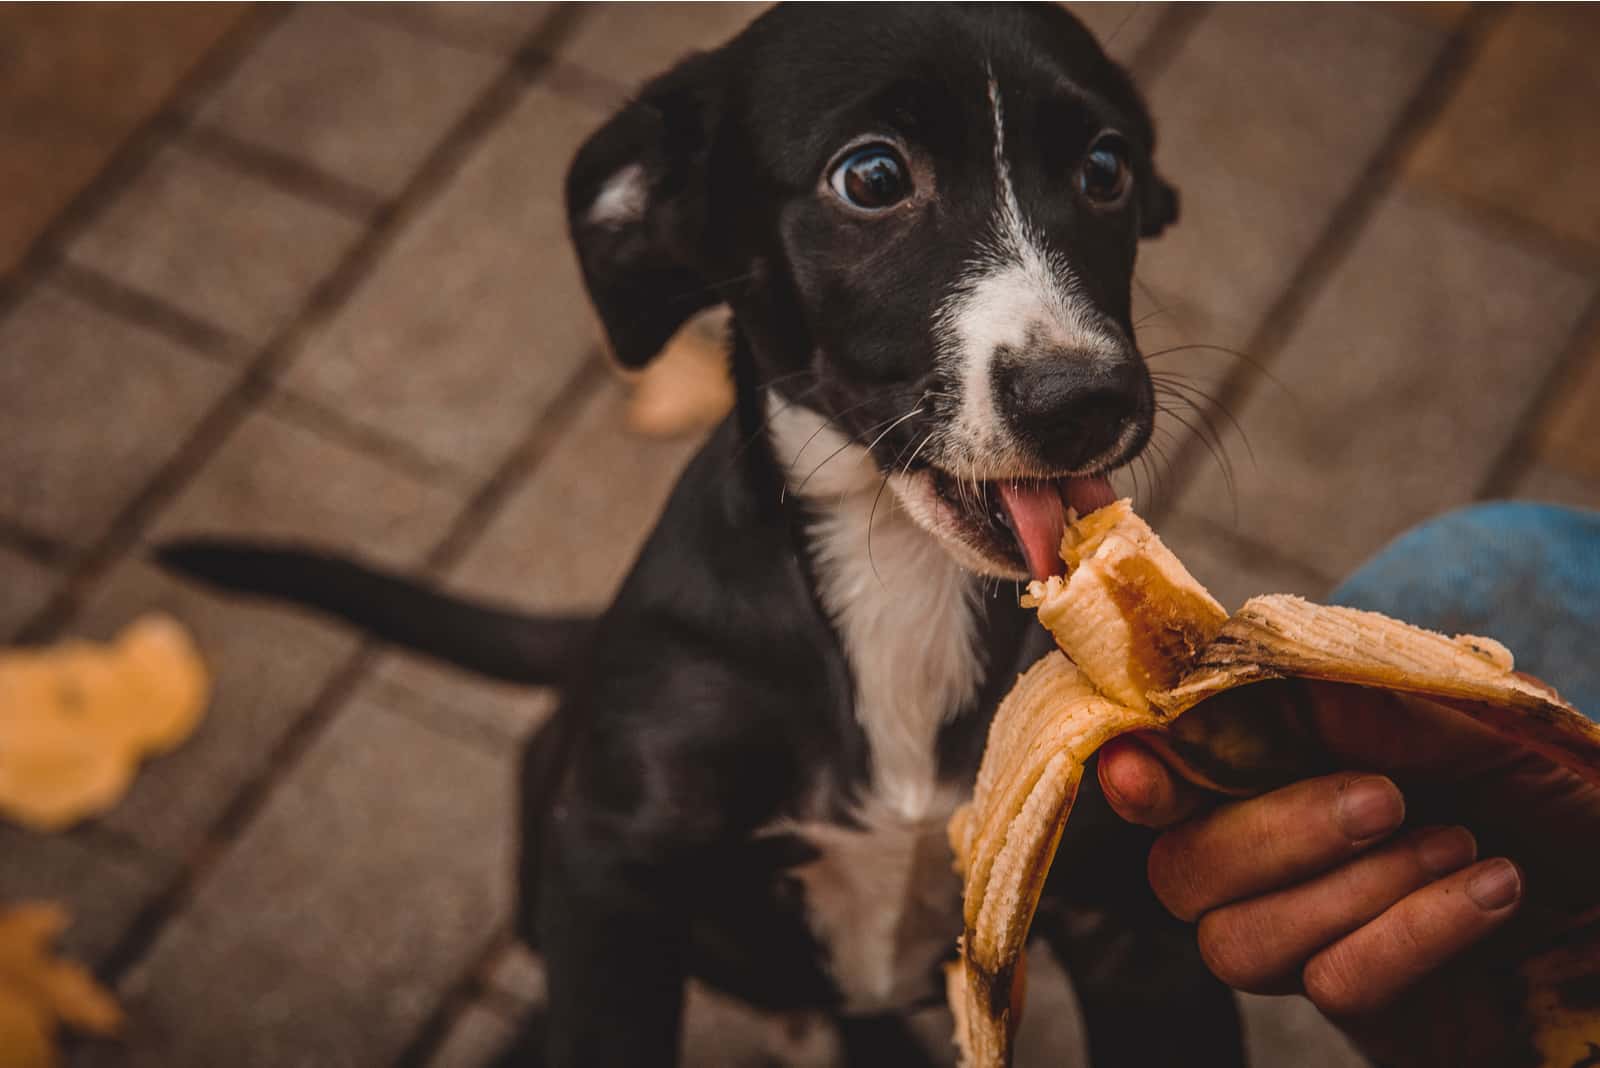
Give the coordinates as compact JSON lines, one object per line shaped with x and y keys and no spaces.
{"x":1071,"y":409}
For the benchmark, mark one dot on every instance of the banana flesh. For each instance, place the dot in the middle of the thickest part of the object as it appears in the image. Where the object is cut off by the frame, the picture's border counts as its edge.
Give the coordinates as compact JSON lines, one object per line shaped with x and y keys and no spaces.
{"x":1148,"y":649}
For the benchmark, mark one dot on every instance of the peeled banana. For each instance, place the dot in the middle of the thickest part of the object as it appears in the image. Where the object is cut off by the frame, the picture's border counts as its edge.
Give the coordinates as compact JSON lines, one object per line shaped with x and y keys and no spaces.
{"x":1231,"y":702}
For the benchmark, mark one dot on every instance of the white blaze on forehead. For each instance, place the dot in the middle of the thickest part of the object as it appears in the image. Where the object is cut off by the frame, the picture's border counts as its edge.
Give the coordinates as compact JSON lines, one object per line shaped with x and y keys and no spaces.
{"x":1016,"y":293}
{"x":621,"y":199}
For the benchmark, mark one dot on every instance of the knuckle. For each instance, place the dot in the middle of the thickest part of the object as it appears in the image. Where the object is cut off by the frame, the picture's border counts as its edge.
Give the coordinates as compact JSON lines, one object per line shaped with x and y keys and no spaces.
{"x":1332,"y":982}
{"x":1233,"y":950}
{"x":1175,"y":878}
{"x":1410,"y":926}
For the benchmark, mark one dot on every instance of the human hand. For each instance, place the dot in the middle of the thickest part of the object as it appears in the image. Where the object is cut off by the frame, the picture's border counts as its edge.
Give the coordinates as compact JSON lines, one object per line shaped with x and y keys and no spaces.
{"x":1397,"y":897}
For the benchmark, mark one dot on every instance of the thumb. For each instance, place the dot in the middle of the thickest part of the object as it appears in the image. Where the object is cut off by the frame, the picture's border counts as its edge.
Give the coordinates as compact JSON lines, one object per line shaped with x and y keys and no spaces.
{"x":1141,"y":788}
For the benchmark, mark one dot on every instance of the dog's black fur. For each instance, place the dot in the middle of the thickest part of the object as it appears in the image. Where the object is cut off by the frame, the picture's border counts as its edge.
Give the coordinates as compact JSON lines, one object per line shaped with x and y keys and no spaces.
{"x":715,"y":710}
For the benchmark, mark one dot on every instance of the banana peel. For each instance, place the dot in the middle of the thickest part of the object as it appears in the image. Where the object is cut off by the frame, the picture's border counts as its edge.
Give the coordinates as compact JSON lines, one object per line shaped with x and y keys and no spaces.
{"x":77,"y":718}
{"x":1233,"y":702}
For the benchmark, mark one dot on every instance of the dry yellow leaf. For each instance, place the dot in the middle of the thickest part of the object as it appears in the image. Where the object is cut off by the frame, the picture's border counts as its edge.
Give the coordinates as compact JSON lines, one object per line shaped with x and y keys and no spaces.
{"x":39,"y":992}
{"x":76,"y":718}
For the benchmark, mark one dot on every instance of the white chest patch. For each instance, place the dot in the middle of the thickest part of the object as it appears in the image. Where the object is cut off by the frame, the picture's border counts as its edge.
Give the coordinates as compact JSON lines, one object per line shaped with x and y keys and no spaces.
{"x":885,"y":901}
{"x":883,"y":897}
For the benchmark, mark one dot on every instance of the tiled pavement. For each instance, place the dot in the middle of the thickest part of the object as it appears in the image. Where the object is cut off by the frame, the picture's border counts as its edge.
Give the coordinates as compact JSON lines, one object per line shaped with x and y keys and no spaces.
{"x":324,"y":293}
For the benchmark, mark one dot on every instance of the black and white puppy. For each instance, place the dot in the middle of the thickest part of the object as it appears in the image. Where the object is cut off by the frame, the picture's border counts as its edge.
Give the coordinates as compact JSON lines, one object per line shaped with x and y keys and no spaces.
{"x":924,"y":220}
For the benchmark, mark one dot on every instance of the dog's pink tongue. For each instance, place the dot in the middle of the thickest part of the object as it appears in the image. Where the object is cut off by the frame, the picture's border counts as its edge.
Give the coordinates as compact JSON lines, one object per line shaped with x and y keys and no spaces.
{"x":1037,"y":511}
{"x":1085,"y":495}
{"x":1038,"y":517}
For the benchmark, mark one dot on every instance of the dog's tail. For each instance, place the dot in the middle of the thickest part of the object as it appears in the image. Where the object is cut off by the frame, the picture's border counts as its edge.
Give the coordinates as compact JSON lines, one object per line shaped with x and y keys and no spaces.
{"x":498,"y":642}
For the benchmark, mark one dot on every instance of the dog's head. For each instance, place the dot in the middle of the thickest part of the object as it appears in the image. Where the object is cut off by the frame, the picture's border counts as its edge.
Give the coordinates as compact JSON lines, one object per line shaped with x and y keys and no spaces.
{"x":925,"y":221}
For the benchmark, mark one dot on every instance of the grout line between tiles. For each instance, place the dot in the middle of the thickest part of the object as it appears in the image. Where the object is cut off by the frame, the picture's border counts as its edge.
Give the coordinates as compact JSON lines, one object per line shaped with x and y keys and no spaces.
{"x":254,"y":794}
{"x":1573,"y":253}
{"x":558,"y":416}
{"x":142,"y":309}
{"x":325,"y":421}
{"x":476,"y":734}
{"x":45,"y":550}
{"x":1270,"y":554}
{"x":1342,"y":228}
{"x":1521,"y":451}
{"x":136,"y":149}
{"x":401,"y":17}
{"x":283,"y":172}
{"x":1156,"y":53}
{"x":496,"y":100}
{"x":460,"y":996}
{"x":152,"y":919}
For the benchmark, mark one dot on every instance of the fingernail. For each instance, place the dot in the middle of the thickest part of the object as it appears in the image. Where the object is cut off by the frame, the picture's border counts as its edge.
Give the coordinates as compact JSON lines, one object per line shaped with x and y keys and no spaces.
{"x":1446,"y":850}
{"x":1495,"y":885}
{"x":1369,"y":807}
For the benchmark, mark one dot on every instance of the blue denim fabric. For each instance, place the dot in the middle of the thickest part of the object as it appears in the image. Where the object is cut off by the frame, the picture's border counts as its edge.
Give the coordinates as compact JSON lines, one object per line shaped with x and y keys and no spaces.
{"x":1527,"y":575}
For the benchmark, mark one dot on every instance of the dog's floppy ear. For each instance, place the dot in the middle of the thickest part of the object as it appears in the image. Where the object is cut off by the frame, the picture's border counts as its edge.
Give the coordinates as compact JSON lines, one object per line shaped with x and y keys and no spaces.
{"x":1158,"y":205}
{"x":637,"y":209}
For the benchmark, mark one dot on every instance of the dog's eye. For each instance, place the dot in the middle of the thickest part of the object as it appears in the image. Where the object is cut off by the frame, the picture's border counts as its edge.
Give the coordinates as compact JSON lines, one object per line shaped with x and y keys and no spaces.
{"x":871,"y":178}
{"x":1104,"y":176}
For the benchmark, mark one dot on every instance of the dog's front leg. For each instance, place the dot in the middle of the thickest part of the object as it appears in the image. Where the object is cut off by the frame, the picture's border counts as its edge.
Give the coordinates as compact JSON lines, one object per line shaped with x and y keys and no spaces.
{"x":614,"y":928}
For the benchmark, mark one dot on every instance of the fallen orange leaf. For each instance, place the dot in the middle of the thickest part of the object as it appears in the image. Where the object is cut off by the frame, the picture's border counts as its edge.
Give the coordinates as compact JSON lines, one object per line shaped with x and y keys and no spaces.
{"x":39,"y":992}
{"x":76,"y":718}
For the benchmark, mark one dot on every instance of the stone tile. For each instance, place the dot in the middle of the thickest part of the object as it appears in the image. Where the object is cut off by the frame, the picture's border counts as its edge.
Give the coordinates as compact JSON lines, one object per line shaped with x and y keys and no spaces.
{"x":351,"y":96}
{"x":267,"y":664}
{"x":28,"y":585}
{"x":475,"y":1040}
{"x":1290,"y":1030}
{"x":477,"y":315}
{"x":631,"y":43}
{"x":224,"y":246}
{"x":72,"y":91}
{"x":273,"y":479}
{"x":488,"y":27}
{"x":568,"y":536}
{"x":90,"y":407}
{"x":331,"y":928}
{"x":1121,"y":28}
{"x":1412,"y":369}
{"x":457,"y":701}
{"x":1266,"y":119}
{"x":1446,"y":13}
{"x":1566,"y":438}
{"x":1232,"y":568}
{"x":1526,"y":102}
{"x":102,"y":885}
{"x":269,"y":480}
{"x":1545,"y":482}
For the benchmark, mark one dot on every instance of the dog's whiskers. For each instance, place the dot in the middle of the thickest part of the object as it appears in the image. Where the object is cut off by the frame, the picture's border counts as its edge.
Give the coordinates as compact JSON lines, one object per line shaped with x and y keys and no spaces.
{"x":915,"y":411}
{"x":906,"y":469}
{"x":1244,"y":357}
{"x":824,"y":425}
{"x":1218,"y":453}
{"x":873,"y":512}
{"x":856,"y":440}
{"x":766,"y":420}
{"x":1177,"y":383}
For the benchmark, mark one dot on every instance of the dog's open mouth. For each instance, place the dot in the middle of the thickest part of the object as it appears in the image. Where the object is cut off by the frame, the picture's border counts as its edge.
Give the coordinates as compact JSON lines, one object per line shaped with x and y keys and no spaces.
{"x":1022,"y":520}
